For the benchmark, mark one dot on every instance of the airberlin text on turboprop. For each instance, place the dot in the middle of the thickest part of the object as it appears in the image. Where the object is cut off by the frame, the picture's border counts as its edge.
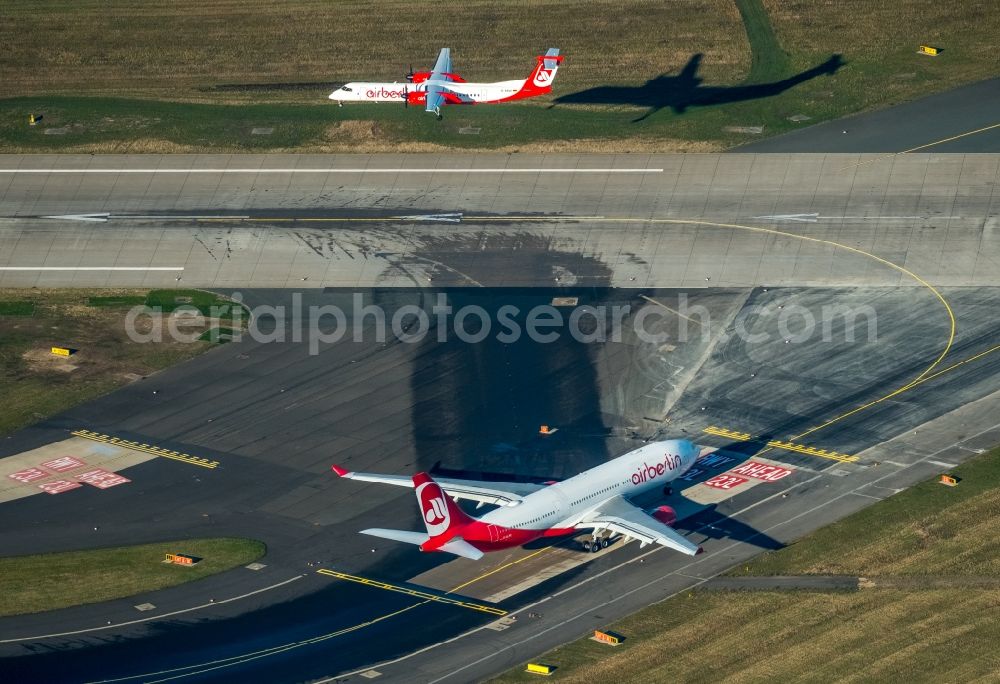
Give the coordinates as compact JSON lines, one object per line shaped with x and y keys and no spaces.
{"x":648,"y":472}
{"x":384,"y":92}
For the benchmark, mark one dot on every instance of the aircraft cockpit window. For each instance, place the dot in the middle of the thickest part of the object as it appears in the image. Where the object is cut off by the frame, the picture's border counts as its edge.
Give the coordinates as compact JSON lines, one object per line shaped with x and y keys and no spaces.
{"x":347,"y":90}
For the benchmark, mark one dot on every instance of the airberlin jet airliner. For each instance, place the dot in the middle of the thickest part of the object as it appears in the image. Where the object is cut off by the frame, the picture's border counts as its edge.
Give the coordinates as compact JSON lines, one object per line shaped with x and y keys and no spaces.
{"x":439,"y":87}
{"x":596,"y":499}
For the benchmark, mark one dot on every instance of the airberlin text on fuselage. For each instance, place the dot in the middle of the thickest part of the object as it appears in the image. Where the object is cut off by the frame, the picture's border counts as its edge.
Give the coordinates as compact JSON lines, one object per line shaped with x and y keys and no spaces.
{"x":648,"y":472}
{"x":383,"y":92}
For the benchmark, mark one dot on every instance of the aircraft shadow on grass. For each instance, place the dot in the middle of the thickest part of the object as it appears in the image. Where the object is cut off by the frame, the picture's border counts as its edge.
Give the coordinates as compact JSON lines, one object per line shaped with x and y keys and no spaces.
{"x":684,"y":90}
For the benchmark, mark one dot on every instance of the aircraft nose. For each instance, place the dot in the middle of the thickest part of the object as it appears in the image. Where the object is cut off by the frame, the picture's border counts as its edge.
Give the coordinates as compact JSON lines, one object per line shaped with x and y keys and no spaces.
{"x":691,"y":452}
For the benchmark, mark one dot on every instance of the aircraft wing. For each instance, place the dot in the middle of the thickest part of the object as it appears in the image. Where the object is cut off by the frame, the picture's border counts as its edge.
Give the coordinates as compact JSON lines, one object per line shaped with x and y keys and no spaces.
{"x":442,"y":66}
{"x":499,"y":493}
{"x":435,"y":93}
{"x":618,"y":515}
{"x":435,"y":98}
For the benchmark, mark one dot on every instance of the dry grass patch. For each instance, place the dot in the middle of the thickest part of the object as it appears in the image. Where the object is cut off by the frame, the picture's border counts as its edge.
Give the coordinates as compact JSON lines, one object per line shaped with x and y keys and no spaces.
{"x":35,"y":384}
{"x":126,"y":47}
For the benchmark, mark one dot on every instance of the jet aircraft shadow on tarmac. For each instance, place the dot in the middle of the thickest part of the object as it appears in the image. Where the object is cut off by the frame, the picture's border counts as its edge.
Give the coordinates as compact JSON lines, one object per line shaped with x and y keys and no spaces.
{"x":684,"y":90}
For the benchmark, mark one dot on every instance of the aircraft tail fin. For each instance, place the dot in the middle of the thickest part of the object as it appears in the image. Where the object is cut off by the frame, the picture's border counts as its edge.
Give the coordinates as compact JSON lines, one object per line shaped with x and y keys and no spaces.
{"x":544,"y":73}
{"x":442,"y":516}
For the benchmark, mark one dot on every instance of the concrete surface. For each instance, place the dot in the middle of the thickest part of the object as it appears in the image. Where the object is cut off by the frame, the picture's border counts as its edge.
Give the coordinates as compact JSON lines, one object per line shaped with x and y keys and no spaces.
{"x":660,"y":226}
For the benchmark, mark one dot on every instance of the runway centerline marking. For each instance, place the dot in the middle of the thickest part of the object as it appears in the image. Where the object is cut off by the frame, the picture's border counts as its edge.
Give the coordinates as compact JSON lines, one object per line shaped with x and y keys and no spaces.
{"x":147,"y":448}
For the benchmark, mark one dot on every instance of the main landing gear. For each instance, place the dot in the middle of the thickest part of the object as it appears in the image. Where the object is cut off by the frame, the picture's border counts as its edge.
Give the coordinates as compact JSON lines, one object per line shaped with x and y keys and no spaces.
{"x":595,"y":544}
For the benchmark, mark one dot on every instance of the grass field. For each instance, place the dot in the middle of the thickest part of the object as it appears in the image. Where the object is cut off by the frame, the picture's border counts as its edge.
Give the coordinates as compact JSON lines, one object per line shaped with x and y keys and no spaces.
{"x":124,"y":76}
{"x":31,"y":584}
{"x":919,"y":635}
{"x":35,"y":384}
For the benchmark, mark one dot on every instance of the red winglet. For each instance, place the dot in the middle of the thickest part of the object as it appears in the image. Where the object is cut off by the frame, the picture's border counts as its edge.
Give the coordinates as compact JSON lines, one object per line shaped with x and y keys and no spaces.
{"x":340,"y":471}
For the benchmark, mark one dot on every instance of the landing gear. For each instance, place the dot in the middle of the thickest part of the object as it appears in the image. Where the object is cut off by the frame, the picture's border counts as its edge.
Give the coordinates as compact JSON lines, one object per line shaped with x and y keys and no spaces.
{"x":596,"y":543}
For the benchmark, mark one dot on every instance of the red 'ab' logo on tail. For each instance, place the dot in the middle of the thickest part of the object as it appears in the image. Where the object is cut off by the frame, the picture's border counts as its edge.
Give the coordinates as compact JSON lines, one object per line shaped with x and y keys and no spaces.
{"x":434,"y":508}
{"x":543,"y":77}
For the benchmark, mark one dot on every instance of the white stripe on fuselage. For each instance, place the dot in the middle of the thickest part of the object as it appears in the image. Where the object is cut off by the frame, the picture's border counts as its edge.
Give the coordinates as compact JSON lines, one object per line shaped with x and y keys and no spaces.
{"x":564,"y":504}
{"x":393,"y":92}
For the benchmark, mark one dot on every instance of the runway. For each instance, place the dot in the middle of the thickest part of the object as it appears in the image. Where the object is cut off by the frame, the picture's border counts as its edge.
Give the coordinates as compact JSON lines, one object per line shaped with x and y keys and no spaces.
{"x":744,"y":237}
{"x":504,"y":220}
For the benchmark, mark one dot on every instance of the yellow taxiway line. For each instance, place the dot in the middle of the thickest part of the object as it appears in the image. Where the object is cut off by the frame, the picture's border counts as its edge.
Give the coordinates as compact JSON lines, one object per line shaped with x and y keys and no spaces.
{"x":779,"y":444}
{"x":147,"y":448}
{"x":416,"y":593}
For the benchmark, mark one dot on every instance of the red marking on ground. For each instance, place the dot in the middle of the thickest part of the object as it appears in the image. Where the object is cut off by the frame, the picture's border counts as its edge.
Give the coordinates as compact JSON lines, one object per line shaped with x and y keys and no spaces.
{"x":102,"y":479}
{"x":58,"y":486}
{"x":28,"y":475}
{"x":61,"y":465}
{"x":762,"y":471}
{"x":725,"y":481}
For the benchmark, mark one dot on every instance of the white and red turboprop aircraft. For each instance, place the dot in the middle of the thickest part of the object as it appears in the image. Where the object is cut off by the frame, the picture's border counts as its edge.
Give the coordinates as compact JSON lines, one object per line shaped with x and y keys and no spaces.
{"x":442,"y":86}
{"x":596,"y":499}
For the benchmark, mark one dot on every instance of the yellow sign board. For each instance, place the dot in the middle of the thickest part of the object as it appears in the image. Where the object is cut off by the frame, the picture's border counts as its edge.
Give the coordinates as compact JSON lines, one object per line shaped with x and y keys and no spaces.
{"x":538,"y":668}
{"x":928,"y":50}
{"x":606,"y":637}
{"x":61,"y":351}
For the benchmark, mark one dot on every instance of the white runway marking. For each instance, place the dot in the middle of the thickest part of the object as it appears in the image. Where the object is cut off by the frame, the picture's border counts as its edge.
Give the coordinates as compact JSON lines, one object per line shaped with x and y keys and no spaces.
{"x":91,"y":268}
{"x":258,"y":171}
{"x":814,"y":217}
{"x":210,"y":604}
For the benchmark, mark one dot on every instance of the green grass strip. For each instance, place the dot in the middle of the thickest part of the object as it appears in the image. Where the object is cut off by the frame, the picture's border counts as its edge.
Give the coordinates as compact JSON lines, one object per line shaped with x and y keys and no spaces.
{"x":31,"y":584}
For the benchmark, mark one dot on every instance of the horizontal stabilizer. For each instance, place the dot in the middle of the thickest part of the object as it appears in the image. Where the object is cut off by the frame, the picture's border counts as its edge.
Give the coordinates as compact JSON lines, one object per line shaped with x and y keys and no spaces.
{"x":460,"y":547}
{"x":457,"y":546}
{"x":405,"y":536}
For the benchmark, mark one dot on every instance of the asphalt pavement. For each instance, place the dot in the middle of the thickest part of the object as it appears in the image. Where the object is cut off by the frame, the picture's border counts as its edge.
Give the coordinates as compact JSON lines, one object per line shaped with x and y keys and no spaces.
{"x":722,"y":247}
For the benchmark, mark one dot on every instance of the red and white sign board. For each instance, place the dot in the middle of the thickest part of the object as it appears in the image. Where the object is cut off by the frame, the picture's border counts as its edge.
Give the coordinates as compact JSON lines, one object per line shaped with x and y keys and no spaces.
{"x":762,"y":471}
{"x":102,"y":479}
{"x":61,"y":465}
{"x":58,"y":486}
{"x":28,"y":475}
{"x":726,"y":481}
